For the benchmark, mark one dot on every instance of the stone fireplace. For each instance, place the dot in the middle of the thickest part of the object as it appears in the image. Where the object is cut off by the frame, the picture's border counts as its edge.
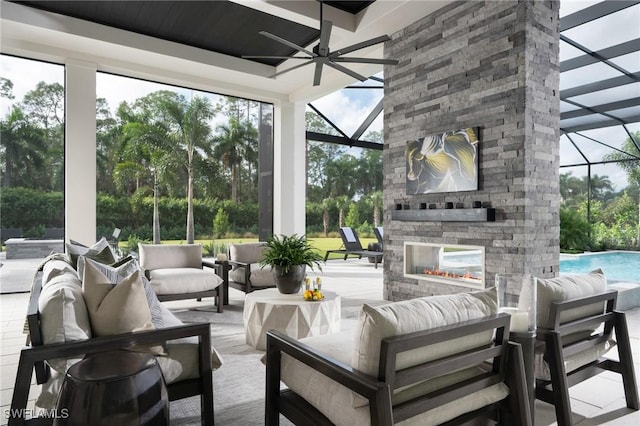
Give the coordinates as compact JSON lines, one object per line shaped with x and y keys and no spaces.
{"x":491,"y":66}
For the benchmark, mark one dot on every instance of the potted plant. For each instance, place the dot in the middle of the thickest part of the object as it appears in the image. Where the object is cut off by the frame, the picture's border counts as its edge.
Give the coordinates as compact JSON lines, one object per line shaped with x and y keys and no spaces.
{"x":289,"y":257}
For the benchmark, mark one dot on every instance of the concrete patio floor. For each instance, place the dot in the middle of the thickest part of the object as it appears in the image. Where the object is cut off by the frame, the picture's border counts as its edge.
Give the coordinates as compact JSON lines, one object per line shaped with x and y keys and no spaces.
{"x":598,"y":401}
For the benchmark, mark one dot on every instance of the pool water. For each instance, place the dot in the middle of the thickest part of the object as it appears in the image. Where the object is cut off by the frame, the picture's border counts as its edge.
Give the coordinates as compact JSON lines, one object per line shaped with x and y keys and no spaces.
{"x":617,"y":265}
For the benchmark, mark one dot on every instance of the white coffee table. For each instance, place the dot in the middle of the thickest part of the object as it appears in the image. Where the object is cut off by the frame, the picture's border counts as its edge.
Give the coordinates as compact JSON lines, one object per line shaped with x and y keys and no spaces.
{"x":269,"y":309}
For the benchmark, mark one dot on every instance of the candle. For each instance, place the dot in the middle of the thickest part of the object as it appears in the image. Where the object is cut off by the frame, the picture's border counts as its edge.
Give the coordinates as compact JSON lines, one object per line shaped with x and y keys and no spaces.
{"x":519,"y":319}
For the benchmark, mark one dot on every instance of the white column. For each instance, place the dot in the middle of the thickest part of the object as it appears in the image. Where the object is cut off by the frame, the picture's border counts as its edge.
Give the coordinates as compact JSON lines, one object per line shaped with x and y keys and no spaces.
{"x":80,"y":152}
{"x":289,"y":168}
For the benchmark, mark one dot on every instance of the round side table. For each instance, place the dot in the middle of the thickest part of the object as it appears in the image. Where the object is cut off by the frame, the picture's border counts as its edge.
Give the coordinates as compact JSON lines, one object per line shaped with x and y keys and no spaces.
{"x":114,"y":388}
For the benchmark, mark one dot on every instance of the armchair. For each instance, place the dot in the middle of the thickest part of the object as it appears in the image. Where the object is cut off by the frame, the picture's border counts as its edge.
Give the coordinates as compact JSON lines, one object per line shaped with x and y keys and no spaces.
{"x":419,"y":362}
{"x":576,"y":321}
{"x":176,"y":271}
{"x":246,"y":274}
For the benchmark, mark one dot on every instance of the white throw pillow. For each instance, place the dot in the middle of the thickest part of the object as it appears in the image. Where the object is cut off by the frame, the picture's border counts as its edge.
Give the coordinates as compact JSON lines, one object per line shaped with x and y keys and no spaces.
{"x":116,"y":309}
{"x":160,"y":256}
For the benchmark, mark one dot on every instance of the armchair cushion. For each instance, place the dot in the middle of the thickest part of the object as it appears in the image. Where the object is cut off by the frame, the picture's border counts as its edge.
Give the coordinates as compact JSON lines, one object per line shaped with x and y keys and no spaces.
{"x":568,"y":287}
{"x":260,"y":277}
{"x":158,"y":256}
{"x":419,"y":314}
{"x":247,"y":252}
{"x":183,"y":280}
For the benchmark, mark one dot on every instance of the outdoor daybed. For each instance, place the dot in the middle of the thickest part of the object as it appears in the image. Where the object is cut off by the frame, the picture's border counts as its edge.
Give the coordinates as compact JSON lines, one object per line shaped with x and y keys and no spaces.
{"x":74,"y":311}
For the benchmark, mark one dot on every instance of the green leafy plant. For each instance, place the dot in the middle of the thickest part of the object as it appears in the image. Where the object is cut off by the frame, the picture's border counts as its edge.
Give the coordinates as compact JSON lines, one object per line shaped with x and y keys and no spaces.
{"x":288,"y":251}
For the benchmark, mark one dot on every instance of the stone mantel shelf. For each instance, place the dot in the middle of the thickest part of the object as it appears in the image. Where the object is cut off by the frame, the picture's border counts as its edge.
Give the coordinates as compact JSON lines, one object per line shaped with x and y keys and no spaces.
{"x":446,"y":215}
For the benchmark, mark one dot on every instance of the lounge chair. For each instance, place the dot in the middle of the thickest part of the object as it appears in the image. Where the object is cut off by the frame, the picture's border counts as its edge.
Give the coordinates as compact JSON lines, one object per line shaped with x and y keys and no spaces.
{"x":353,"y":247}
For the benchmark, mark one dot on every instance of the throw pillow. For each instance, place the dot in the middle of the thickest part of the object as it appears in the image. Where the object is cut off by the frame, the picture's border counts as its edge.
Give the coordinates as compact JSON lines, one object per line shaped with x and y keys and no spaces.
{"x":120,"y":270}
{"x":100,"y":252}
{"x":116,"y":309}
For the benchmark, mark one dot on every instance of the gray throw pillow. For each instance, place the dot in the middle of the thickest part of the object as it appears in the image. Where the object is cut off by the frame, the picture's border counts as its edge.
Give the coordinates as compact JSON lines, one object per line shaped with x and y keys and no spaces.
{"x":100,"y":252}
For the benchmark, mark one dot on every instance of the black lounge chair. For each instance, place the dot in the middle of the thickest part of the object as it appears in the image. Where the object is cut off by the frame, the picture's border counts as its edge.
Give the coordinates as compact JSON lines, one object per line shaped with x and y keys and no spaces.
{"x":353,"y":247}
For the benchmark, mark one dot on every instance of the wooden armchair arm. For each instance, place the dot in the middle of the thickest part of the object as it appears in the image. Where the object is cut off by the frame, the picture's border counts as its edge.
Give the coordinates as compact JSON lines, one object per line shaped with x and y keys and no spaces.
{"x":378,"y":393}
{"x":30,"y":356}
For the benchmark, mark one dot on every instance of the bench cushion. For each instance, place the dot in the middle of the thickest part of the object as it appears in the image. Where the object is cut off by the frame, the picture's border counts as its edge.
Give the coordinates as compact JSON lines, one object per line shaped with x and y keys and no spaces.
{"x":161,"y":256}
{"x":183,"y":280}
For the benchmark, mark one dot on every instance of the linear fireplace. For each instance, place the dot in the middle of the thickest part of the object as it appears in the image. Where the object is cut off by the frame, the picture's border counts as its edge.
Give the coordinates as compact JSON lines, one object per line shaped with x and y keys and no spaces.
{"x":448,"y":264}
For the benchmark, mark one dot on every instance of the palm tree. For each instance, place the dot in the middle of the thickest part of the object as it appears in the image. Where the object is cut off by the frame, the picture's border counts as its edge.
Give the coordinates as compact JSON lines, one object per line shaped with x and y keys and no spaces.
{"x":22,"y":146}
{"x":236,"y":140}
{"x":189,"y":133}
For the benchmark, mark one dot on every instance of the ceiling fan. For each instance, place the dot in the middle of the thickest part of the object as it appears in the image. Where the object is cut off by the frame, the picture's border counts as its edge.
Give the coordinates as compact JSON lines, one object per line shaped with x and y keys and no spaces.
{"x":321,"y":55}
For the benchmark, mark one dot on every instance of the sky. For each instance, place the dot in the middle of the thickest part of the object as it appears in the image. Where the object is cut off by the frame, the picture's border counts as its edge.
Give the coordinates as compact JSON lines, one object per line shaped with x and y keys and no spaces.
{"x":348,"y":107}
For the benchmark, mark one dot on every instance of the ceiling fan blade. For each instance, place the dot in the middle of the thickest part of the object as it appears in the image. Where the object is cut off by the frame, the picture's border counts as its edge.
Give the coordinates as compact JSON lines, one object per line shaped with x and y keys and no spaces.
{"x":287,"y":43}
{"x":325,"y":35}
{"x":361,"y":45}
{"x":274,"y":57}
{"x":291,"y":69}
{"x":365,"y":60}
{"x":347,"y":71}
{"x":318,"y":74}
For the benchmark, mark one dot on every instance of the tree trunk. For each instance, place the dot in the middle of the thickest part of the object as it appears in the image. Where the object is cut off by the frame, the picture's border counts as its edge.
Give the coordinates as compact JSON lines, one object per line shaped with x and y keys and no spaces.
{"x":341,"y":217}
{"x":376,"y":215}
{"x":325,"y":222}
{"x":190,"y":231}
{"x":156,"y":212}
{"x":234,"y":183}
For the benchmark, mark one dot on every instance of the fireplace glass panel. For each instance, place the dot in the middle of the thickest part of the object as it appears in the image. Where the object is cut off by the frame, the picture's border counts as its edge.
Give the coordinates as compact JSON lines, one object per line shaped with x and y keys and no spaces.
{"x":449,"y":264}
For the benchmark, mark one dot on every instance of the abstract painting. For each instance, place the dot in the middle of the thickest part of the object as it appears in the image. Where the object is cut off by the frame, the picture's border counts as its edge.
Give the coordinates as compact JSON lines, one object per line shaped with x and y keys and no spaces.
{"x":443,"y":162}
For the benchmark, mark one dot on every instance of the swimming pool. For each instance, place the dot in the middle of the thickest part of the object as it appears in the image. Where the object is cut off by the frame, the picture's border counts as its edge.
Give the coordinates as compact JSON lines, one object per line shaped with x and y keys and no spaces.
{"x":617,"y":265}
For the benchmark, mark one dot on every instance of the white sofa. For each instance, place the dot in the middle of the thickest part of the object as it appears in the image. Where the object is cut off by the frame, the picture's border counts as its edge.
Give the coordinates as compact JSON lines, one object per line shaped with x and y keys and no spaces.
{"x":74,"y":312}
{"x":416,"y":362}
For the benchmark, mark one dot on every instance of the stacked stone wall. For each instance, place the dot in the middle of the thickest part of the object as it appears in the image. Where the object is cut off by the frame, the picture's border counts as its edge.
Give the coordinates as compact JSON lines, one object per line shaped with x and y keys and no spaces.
{"x":492,"y":65}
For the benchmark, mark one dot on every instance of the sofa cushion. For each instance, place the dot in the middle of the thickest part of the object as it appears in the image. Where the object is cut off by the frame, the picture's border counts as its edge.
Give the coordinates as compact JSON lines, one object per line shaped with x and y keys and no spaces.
{"x":63,"y":315}
{"x":572,"y":362}
{"x":116,"y":309}
{"x":183,"y":280}
{"x":393,"y":319}
{"x":260,"y":277}
{"x":116,"y":274}
{"x":568,"y":287}
{"x":247,"y":252}
{"x":160,"y":256}
{"x":54,"y":268}
{"x":100,"y":252}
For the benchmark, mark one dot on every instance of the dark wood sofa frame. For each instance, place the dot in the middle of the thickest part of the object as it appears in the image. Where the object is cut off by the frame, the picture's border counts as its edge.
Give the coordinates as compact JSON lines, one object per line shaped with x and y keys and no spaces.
{"x":33,"y":357}
{"x":219,"y":292}
{"x":556,"y":391}
{"x":507,"y":366}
